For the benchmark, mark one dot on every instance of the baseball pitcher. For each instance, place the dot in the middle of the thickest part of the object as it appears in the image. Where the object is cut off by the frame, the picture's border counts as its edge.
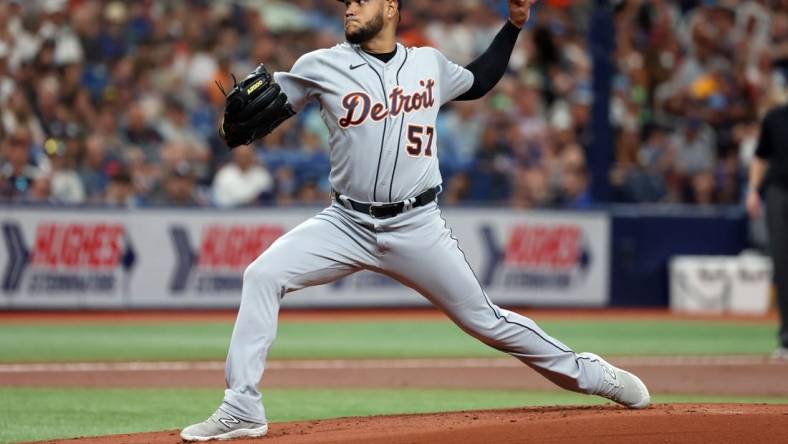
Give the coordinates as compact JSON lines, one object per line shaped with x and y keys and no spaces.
{"x":380,"y":101}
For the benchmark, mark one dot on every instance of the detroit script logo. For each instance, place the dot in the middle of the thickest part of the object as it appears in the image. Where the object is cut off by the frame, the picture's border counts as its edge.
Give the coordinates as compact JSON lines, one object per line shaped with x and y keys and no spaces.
{"x":359,"y":107}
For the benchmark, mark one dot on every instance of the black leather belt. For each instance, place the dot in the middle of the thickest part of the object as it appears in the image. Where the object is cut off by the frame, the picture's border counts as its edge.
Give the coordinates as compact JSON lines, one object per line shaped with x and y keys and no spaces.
{"x":385,"y":211}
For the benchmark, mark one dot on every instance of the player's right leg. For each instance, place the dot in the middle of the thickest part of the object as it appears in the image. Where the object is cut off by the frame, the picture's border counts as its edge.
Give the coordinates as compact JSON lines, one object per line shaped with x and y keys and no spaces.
{"x":320,"y":250}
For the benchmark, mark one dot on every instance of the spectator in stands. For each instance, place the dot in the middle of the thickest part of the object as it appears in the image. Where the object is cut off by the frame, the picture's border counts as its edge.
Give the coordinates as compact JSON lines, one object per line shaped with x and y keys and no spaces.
{"x":701,"y":189}
{"x":18,"y":171}
{"x":178,"y":134}
{"x":314,"y":163}
{"x":696,"y":145}
{"x":18,"y":114}
{"x":310,"y":193}
{"x":653,"y":176}
{"x":461,"y":128}
{"x":244,"y":181}
{"x":455,"y":189}
{"x":531,"y":123}
{"x":573,"y":192}
{"x":531,"y":188}
{"x":93,"y":170}
{"x":145,"y":175}
{"x":178,"y":188}
{"x":490,"y":171}
{"x":727,"y":181}
{"x":286,"y":186}
{"x":6,"y":82}
{"x":66,"y":185}
{"x":120,"y":191}
{"x":40,"y":191}
{"x":138,"y":132}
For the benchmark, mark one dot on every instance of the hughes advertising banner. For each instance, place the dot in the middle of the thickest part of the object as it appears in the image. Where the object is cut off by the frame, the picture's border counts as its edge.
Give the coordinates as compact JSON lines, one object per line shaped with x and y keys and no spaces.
{"x":67,"y":258}
{"x":537,"y":258}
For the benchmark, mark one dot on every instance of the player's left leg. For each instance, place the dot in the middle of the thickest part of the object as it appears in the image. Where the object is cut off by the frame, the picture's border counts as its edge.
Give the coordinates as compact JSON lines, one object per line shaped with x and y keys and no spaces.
{"x":320,"y":250}
{"x":427,"y":258}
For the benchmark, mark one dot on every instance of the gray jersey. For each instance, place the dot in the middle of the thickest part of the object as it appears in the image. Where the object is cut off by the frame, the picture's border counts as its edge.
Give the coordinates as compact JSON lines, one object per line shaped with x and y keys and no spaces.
{"x":381,"y":116}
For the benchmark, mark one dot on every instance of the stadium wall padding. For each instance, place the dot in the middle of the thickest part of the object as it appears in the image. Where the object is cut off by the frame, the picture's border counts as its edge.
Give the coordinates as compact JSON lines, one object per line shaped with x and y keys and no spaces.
{"x":195,"y":258}
{"x":644,"y":240}
{"x":87,"y":258}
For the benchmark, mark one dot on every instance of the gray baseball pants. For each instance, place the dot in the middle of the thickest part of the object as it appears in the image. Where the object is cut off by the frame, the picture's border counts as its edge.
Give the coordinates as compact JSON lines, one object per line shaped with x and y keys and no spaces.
{"x":417,"y":249}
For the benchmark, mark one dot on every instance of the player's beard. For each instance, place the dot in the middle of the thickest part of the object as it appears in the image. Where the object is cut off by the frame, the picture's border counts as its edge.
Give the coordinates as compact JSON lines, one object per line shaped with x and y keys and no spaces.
{"x":366,"y":32}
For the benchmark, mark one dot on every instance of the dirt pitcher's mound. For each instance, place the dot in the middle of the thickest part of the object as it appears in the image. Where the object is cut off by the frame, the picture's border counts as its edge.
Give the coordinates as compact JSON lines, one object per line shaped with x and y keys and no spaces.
{"x":675,"y":423}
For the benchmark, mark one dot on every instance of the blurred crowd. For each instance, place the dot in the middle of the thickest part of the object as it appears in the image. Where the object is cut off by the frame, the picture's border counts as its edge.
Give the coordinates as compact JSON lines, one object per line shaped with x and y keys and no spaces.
{"x":116,"y":103}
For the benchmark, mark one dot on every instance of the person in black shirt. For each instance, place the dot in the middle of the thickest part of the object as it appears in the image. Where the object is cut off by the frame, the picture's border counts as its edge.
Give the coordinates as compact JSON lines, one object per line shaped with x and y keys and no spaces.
{"x":769,"y":168}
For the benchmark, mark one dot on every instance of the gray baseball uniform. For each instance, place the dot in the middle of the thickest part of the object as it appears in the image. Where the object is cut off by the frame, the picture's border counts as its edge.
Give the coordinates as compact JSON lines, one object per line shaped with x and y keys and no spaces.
{"x":381,"y":118}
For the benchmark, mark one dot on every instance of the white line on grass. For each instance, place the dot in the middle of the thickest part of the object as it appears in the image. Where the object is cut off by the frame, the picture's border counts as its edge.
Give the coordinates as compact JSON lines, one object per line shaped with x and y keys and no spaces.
{"x":360,"y":364}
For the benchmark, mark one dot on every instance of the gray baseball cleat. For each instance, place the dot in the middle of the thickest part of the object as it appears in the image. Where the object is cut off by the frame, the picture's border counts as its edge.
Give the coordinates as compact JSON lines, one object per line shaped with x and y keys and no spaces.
{"x":780,"y":354}
{"x":222,"y":425}
{"x":621,"y":386}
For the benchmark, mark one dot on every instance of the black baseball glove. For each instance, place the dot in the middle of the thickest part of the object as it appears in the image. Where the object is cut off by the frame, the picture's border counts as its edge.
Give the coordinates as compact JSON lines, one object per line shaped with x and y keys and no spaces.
{"x":253,"y":108}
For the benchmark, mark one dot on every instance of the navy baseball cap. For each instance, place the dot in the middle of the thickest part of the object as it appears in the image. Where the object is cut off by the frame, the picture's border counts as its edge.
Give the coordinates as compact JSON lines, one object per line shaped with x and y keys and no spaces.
{"x":399,"y":3}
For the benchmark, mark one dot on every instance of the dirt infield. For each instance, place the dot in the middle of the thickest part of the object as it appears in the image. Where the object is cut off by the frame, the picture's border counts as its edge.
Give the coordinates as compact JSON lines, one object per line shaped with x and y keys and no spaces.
{"x":686,"y":423}
{"x":744,"y":376}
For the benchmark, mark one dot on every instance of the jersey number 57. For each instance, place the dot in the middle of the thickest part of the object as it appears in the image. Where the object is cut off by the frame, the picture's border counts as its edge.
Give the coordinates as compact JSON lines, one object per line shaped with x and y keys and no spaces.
{"x":416,"y":136}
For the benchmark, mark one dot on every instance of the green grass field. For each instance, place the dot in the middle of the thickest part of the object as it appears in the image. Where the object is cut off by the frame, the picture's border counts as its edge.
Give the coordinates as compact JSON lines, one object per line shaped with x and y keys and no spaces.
{"x":42,"y":413}
{"x":53,"y":413}
{"x":380,"y":339}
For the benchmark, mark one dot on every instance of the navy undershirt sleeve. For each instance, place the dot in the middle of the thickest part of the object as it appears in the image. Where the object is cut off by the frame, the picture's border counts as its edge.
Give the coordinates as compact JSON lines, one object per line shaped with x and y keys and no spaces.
{"x":489,"y":67}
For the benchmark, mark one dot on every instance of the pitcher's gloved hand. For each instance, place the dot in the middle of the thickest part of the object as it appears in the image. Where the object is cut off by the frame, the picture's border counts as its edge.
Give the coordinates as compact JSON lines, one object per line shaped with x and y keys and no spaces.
{"x":253,"y":108}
